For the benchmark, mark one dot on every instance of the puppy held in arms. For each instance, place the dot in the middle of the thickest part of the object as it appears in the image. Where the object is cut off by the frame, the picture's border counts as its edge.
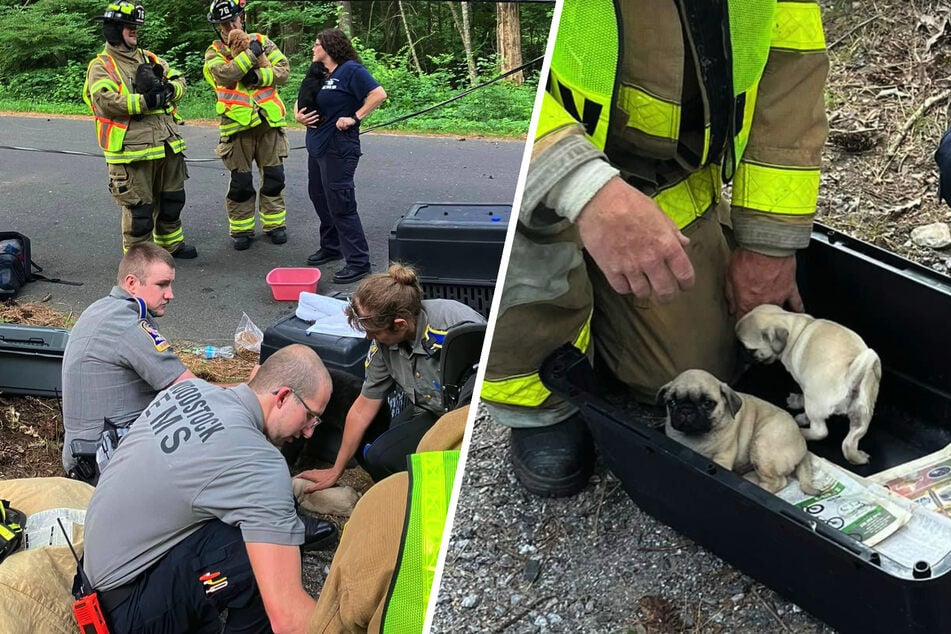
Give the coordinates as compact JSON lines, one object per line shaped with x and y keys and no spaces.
{"x":239,"y":41}
{"x":837,"y":372}
{"x":736,"y":430}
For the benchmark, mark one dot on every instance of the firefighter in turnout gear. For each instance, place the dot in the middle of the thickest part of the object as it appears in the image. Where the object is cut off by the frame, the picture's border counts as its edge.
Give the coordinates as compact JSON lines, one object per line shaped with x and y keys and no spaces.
{"x":252,"y":124}
{"x":132,"y":94}
{"x":621,"y":247}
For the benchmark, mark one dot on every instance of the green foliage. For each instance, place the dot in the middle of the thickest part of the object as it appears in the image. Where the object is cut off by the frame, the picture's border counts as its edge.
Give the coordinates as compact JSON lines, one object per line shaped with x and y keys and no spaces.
{"x":43,"y":57}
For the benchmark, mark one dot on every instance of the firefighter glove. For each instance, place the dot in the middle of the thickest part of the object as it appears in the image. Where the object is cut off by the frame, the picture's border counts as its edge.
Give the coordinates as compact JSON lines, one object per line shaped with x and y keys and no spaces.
{"x":156,"y":97}
{"x":250,"y":78}
{"x":255,"y":47}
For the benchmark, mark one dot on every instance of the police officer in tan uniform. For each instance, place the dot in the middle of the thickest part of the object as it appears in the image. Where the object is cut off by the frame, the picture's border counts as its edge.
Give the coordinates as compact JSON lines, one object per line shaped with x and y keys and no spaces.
{"x":407,"y":334}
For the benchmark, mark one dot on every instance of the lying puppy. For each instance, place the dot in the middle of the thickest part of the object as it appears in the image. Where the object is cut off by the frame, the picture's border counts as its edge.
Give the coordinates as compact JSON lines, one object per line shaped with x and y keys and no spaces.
{"x":736,"y":430}
{"x":837,"y":372}
{"x":338,"y":500}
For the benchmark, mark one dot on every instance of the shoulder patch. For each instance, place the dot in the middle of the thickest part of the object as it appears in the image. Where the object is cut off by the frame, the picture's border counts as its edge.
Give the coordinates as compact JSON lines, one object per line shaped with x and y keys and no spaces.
{"x":370,"y":353}
{"x":435,"y":337}
{"x":160,"y":343}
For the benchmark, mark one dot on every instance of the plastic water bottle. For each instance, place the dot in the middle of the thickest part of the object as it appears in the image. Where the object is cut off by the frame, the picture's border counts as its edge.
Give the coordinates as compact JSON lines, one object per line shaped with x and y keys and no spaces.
{"x":211,"y":352}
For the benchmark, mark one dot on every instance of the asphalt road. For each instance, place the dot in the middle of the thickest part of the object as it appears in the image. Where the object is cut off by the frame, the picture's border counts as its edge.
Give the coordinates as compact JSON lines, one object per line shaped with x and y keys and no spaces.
{"x":61,"y":202}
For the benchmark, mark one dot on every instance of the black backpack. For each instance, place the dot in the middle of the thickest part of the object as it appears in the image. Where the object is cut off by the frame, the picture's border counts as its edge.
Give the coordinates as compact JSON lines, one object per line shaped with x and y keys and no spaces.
{"x":15,"y":263}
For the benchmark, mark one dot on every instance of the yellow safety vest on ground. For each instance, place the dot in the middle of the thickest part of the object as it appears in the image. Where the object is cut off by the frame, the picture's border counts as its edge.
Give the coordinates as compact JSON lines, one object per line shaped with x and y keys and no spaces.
{"x":431,"y":477}
{"x":583,"y":87}
{"x":237,"y":105}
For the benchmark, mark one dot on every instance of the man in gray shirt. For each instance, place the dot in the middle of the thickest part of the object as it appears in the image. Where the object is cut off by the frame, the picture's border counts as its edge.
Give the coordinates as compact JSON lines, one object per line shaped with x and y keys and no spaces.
{"x":195,"y":515}
{"x":116,"y":360}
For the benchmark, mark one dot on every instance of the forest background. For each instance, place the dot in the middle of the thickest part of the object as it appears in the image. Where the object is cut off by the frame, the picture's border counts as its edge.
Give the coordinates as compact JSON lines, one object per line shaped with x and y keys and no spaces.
{"x":422,"y":52}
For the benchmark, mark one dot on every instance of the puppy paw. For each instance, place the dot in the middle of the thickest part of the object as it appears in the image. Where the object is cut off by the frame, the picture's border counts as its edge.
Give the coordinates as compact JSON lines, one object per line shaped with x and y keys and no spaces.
{"x":795,"y":401}
{"x":802,"y":420}
{"x":857,"y":457}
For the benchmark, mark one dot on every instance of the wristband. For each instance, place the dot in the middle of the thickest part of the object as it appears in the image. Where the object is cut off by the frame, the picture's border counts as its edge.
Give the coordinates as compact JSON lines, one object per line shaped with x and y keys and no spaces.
{"x":356,"y":118}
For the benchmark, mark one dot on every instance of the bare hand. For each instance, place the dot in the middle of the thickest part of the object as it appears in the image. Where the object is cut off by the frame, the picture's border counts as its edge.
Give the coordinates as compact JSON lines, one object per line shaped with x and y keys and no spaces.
{"x":345,"y":123}
{"x":307,"y":117}
{"x":754,"y":279}
{"x":639,"y":249}
{"x":322,"y":478}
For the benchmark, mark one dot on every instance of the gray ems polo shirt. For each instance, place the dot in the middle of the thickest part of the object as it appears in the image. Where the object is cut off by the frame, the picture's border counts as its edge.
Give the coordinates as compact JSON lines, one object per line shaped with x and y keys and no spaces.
{"x":114,"y":364}
{"x":416,"y":367}
{"x":197,"y":453}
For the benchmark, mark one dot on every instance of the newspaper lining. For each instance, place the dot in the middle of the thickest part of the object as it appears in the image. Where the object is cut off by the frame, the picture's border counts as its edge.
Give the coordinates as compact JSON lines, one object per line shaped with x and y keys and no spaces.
{"x":41,"y":528}
{"x":848,"y":504}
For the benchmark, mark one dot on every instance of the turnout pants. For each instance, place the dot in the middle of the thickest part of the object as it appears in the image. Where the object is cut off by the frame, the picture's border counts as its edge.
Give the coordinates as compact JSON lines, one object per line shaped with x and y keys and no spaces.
{"x":186,"y":591}
{"x":267,"y":146}
{"x":554,"y":295}
{"x":331,"y":189}
{"x":151,"y":195}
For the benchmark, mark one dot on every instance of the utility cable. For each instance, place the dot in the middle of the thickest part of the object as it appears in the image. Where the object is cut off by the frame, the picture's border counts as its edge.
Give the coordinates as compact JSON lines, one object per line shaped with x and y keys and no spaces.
{"x":464,"y":93}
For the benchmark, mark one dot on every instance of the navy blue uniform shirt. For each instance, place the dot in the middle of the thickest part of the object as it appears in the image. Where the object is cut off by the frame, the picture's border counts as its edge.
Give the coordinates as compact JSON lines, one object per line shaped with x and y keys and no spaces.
{"x":343,"y":92}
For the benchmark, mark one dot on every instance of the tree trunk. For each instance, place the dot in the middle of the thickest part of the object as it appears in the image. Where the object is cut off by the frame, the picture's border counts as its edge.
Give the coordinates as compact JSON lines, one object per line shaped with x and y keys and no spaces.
{"x":465,"y":32}
{"x":409,"y":39}
{"x":345,"y":13}
{"x":509,"y":40}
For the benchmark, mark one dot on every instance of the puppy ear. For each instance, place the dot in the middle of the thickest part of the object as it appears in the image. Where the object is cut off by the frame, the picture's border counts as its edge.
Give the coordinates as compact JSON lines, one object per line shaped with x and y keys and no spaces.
{"x":731,"y":398}
{"x":662,"y":395}
{"x":777,"y":337}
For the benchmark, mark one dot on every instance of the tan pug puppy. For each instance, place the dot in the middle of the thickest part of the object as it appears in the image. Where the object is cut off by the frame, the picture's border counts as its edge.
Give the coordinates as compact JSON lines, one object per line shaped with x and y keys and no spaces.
{"x":338,"y":500}
{"x":238,"y":42}
{"x":837,"y":372}
{"x":736,"y":430}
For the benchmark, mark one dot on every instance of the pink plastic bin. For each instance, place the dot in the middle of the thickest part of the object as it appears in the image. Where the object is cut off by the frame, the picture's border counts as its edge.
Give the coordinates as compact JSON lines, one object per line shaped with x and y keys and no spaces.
{"x":288,"y":283}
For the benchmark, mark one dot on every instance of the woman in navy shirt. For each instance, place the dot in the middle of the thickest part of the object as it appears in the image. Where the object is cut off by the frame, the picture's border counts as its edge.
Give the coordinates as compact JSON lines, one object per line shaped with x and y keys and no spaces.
{"x":348,"y":94}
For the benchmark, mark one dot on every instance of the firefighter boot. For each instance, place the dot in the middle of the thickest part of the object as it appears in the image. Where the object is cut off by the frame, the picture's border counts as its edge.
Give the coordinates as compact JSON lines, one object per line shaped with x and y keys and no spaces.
{"x":553,"y":461}
{"x":318,"y":534}
{"x":185,"y":252}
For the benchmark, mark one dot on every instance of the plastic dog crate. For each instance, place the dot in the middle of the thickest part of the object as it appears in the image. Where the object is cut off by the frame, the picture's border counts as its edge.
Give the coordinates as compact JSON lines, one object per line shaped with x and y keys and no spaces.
{"x":901,"y":309}
{"x":456,"y":249}
{"x":343,"y":353}
{"x":31,"y":360}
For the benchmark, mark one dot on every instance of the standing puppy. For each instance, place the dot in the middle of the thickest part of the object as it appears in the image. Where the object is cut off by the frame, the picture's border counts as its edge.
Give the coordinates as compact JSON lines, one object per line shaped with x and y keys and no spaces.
{"x":837,"y":372}
{"x":736,"y":430}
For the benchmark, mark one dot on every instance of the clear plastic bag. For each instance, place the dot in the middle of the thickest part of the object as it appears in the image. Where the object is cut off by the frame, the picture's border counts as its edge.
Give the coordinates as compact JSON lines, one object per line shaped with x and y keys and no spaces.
{"x":247,"y":336}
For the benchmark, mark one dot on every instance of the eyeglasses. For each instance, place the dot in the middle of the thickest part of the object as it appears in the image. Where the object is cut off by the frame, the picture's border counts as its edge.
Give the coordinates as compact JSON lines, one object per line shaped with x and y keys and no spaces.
{"x":361,"y":321}
{"x":311,"y":414}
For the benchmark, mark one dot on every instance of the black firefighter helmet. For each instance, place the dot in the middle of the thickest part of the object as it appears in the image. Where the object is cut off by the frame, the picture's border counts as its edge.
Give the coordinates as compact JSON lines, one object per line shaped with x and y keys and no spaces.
{"x":222,"y":11}
{"x":117,"y":15}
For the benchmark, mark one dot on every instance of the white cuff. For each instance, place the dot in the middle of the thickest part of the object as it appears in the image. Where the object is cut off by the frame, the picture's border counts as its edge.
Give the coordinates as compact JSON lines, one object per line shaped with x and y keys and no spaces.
{"x":570,"y":195}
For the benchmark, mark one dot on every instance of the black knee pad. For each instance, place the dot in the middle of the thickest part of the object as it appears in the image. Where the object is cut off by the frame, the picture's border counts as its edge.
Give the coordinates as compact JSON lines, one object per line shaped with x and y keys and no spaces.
{"x":273,"y":180}
{"x":242,"y":187}
{"x":172,"y":203}
{"x":142,"y":223}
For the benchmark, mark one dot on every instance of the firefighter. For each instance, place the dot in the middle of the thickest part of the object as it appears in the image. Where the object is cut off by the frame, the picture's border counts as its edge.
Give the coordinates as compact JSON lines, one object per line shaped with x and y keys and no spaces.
{"x":252,"y":124}
{"x":619,"y":249}
{"x":132,"y":94}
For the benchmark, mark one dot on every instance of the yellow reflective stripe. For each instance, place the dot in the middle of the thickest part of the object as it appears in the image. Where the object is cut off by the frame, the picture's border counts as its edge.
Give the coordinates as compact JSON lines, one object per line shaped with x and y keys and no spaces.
{"x":528,"y":390}
{"x":551,"y":117}
{"x":649,"y":114}
{"x":780,"y":190}
{"x":690,"y":198}
{"x":241,"y":225}
{"x":178,"y":145}
{"x":431,"y":476}
{"x":170,"y":238}
{"x":132,"y":103}
{"x":106,"y":83}
{"x":798,"y":27}
{"x":243,"y":61}
{"x":584,"y":104}
{"x":266,"y":75}
{"x":148,"y":154}
{"x":273,"y":220}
